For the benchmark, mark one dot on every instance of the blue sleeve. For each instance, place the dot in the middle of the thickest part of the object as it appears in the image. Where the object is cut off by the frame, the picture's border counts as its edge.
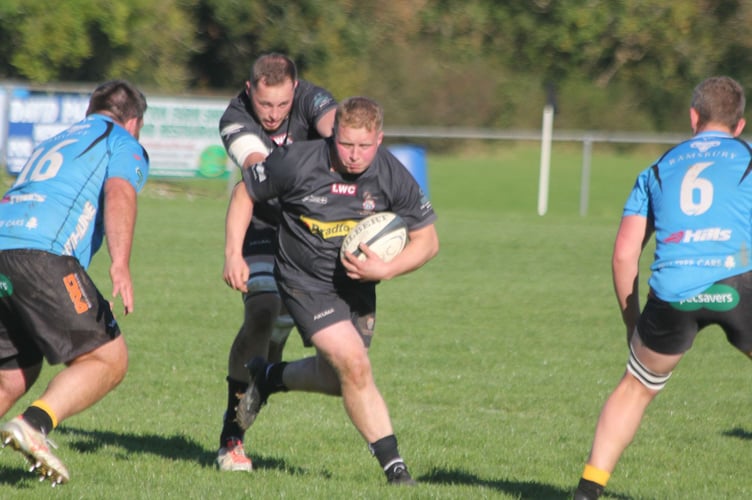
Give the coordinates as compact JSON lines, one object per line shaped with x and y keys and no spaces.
{"x":638,"y":202}
{"x":129,"y":160}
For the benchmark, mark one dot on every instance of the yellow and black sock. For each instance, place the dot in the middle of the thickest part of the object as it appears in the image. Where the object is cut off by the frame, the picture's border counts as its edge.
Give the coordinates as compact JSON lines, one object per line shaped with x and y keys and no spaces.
{"x":40,"y":416}
{"x":592,"y":483}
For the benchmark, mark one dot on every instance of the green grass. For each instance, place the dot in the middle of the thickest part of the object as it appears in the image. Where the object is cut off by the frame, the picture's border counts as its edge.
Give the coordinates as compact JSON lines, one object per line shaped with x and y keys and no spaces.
{"x":494,"y":360}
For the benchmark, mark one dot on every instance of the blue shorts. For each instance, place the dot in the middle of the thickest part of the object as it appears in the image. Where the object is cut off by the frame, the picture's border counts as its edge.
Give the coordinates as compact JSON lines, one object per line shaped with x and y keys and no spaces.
{"x":671,"y":327}
{"x":50,"y":308}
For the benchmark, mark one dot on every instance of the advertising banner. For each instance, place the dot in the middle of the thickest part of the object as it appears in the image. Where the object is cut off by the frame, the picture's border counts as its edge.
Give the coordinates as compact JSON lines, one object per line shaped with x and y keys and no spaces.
{"x":181,"y":135}
{"x":33,"y":117}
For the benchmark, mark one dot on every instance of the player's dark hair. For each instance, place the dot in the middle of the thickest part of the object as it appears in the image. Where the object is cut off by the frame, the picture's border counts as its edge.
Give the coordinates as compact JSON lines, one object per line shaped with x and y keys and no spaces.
{"x":273,"y":69}
{"x":118,"y":98}
{"x":719,"y":99}
{"x":359,"y":112}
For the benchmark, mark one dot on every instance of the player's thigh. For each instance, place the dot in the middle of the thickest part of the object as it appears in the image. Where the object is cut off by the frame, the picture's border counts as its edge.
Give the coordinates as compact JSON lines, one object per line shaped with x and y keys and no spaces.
{"x":665,"y":328}
{"x":655,"y":362}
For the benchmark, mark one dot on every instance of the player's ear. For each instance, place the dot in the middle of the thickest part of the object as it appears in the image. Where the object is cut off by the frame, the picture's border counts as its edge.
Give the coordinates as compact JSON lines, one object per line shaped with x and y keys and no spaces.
{"x":739,"y":127}
{"x":133,"y":126}
{"x":694,"y":119}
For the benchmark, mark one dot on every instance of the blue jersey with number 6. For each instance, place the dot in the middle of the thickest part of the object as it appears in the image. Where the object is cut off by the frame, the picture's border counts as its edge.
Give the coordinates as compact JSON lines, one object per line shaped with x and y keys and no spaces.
{"x":55,"y":204}
{"x":699,"y":198}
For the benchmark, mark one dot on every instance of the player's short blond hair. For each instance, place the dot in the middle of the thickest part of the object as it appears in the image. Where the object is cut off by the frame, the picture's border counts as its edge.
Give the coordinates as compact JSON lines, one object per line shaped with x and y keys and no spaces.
{"x":359,"y":112}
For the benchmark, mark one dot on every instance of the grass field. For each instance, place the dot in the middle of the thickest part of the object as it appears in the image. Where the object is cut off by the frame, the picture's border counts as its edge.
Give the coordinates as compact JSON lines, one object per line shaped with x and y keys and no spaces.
{"x":494,"y":359}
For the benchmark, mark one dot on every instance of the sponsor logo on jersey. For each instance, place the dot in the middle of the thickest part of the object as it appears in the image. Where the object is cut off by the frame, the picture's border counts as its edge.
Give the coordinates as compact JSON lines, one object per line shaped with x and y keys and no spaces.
{"x":716,"y":298}
{"x":81,"y":302}
{"x":6,"y":287}
{"x":326,"y":230}
{"x":12,"y":223}
{"x":321,"y":100}
{"x":698,"y":235}
{"x":316,"y":200}
{"x":82,"y":226}
{"x":343,"y":189}
{"x":704,"y":146}
{"x":24,"y":198}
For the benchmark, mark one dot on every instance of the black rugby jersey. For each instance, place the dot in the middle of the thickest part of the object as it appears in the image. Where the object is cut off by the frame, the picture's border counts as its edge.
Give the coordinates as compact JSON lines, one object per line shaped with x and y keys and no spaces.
{"x":320,"y":206}
{"x":309,"y":104}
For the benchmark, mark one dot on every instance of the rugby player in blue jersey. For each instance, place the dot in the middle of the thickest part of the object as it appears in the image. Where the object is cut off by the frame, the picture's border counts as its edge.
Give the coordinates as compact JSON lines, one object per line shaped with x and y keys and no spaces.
{"x":77,"y":188}
{"x":697,"y":200}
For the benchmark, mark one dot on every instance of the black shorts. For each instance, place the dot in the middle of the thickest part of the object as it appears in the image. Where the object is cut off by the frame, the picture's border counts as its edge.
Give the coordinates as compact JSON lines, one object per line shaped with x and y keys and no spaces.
{"x":259,"y":241}
{"x":50,"y":308}
{"x":314,"y":311}
{"x":671,"y":327}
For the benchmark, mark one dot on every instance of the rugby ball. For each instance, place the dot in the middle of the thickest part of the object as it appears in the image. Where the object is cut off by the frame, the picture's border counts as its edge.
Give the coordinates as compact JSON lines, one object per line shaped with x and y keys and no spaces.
{"x":385,"y":233}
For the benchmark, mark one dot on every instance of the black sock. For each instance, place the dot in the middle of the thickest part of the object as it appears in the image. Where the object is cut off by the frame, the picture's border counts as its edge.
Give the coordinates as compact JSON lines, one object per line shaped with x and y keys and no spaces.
{"x":274,"y":378}
{"x":385,"y":450}
{"x":230,"y":427}
{"x":38,"y":418}
{"x":588,"y":490}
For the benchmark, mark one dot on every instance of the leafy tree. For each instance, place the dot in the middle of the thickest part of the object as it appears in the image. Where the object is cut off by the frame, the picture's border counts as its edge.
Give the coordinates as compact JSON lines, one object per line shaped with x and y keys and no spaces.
{"x":481,"y":63}
{"x":91,"y":40}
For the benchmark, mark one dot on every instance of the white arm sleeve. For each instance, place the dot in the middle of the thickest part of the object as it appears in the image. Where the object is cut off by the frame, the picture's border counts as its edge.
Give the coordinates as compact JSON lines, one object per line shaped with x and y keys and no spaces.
{"x":245,"y":145}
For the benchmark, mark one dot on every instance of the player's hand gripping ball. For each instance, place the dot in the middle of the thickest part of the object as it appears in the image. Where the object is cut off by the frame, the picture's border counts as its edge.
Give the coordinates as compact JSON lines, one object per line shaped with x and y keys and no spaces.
{"x":385,"y":233}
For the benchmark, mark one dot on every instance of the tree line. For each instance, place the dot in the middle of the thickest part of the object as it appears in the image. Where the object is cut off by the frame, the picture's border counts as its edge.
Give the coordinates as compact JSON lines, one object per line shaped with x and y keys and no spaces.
{"x":481,"y":63}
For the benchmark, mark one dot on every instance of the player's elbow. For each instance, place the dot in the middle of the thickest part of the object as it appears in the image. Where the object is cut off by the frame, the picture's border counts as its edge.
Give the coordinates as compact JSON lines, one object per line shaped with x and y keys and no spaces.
{"x":432,"y":245}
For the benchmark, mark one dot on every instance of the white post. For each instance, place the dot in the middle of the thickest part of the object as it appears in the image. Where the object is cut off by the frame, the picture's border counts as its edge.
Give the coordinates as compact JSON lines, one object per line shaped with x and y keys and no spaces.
{"x":587,"y":153}
{"x":545,"y":162}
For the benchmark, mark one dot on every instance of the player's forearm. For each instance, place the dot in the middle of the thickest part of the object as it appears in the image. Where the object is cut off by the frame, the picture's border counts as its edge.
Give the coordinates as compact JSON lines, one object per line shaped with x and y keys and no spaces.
{"x":239,"y":214}
{"x":119,"y":220}
{"x":626,"y":287}
{"x":423,"y":246}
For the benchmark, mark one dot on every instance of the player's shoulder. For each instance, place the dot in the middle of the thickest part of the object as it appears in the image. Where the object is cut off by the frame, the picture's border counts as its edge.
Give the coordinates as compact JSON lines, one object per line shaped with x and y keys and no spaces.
{"x":317,"y":98}
{"x":238,"y":110}
{"x":305,"y":86}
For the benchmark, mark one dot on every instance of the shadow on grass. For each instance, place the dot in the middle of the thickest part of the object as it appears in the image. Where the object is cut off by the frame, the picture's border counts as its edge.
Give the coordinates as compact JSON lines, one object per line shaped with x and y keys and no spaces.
{"x":19,"y":476}
{"x":531,"y":490}
{"x":175,"y":447}
{"x":739,"y":433}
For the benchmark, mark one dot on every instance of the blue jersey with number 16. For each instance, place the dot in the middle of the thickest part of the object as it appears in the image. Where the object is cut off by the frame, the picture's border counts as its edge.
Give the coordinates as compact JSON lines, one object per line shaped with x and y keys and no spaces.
{"x":55,"y":204}
{"x":699,"y":198}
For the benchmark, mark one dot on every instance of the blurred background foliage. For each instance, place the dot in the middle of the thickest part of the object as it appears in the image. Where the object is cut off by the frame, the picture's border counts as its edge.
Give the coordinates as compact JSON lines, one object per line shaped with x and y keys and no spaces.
{"x":614,"y":65}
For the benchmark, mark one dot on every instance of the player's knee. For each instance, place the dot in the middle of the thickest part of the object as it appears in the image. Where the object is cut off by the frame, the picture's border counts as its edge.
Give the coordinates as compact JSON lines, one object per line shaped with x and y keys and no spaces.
{"x":651,"y":380}
{"x":355,"y":371}
{"x":282,"y":327}
{"x":15,"y":382}
{"x":261,"y":310}
{"x":261,"y":280}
